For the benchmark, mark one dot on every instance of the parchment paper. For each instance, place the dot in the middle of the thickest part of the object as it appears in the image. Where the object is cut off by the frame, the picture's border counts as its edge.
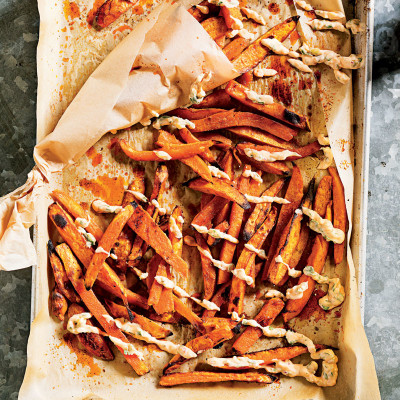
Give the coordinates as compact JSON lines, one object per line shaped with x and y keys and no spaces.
{"x":55,"y":372}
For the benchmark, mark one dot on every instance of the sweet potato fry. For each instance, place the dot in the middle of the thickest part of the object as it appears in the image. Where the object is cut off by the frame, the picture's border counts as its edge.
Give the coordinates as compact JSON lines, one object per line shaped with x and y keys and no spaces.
{"x":275,"y":110}
{"x":294,"y":194}
{"x":271,"y":149}
{"x":323,"y":195}
{"x":145,"y":227}
{"x":215,"y":27}
{"x":265,"y":317}
{"x":77,"y":211}
{"x":94,"y":344}
{"x":219,"y":188}
{"x":235,"y":224}
{"x":231,"y":14}
{"x":222,"y":227}
{"x":188,"y":314}
{"x":69,"y":232}
{"x":339,"y":212}
{"x":301,"y":245}
{"x":188,"y":137}
{"x":280,"y":353}
{"x":209,"y":271}
{"x":256,"y":52}
{"x":213,"y":323}
{"x":259,"y":136}
{"x":220,"y":141}
{"x":261,"y":211}
{"x":235,"y":47}
{"x":195,"y":113}
{"x":278,"y":272}
{"x":205,"y":377}
{"x":60,"y":276}
{"x":245,"y":79}
{"x":276,"y":168}
{"x":317,"y":260}
{"x":196,"y":163}
{"x":246,"y":259}
{"x":58,"y":303}
{"x":139,"y":247}
{"x":110,"y":11}
{"x":165,"y":302}
{"x":200,"y":344}
{"x":176,"y":152}
{"x":217,"y":99}
{"x":75,"y":275}
{"x":230,"y":119}
{"x":137,"y":185}
{"x":105,"y":244}
{"x":199,"y":16}
{"x":118,"y":311}
{"x":209,"y":211}
{"x":220,"y":297}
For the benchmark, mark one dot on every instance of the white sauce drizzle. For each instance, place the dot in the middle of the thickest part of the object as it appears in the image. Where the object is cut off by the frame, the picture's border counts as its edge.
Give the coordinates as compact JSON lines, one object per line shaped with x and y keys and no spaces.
{"x":226,"y":3}
{"x":324,"y":227}
{"x":240,"y":273}
{"x":218,"y":173}
{"x":335,"y":295}
{"x":173,"y":226}
{"x":203,"y":9}
{"x":234,"y":362}
{"x":261,"y":253}
{"x":304,"y":5}
{"x":266,"y":199}
{"x":356,"y":26}
{"x":328,"y":158}
{"x":215,"y":233}
{"x":175,"y":122}
{"x":82,"y":222}
{"x":101,"y":250}
{"x":217,"y":263}
{"x":299,"y":65}
{"x":253,"y":175}
{"x":332,"y":15}
{"x":267,"y":156}
{"x":237,"y":23}
{"x":167,"y":283}
{"x":162,"y":154}
{"x":90,"y":239}
{"x":197,"y":93}
{"x":140,"y":196}
{"x":260,"y":72}
{"x":160,"y":209}
{"x":291,"y":271}
{"x":275,"y":293}
{"x":268,"y":331}
{"x":102,"y":207}
{"x":296,"y":292}
{"x":244,"y":33}
{"x":321,"y":24}
{"x":141,"y":275}
{"x":259,"y":98}
{"x":254,"y":15}
{"x":323,"y":140}
{"x":275,"y":45}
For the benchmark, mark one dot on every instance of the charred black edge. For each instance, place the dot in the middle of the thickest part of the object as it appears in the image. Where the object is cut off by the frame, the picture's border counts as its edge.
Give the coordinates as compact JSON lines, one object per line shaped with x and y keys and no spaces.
{"x":60,"y":221}
{"x":310,"y":191}
{"x":187,"y":183}
{"x":295,"y":18}
{"x":134,"y":204}
{"x":236,"y":329}
{"x":292,"y":117}
{"x":218,"y":345}
{"x":50,"y":248}
{"x":225,"y":293}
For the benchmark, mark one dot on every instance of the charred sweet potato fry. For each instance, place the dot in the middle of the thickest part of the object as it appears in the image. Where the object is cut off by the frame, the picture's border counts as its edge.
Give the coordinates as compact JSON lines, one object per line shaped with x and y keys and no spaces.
{"x":205,"y":377}
{"x":246,"y":259}
{"x":175,"y":152}
{"x":235,"y":47}
{"x":209,"y":271}
{"x":200,"y":344}
{"x":188,"y":137}
{"x":276,"y":167}
{"x":271,"y":149}
{"x":110,"y":11}
{"x":77,"y":211}
{"x":194,"y":113}
{"x":230,"y":119}
{"x":339,"y":213}
{"x":265,"y":317}
{"x":215,"y":27}
{"x":317,"y":260}
{"x":219,"y":188}
{"x":259,"y":136}
{"x":222,"y":227}
{"x":188,"y":314}
{"x":58,"y":303}
{"x":75,"y":275}
{"x":196,"y":162}
{"x":220,"y":297}
{"x":261,"y":210}
{"x":145,"y":227}
{"x":275,"y":110}
{"x":118,"y":311}
{"x":60,"y":276}
{"x":256,"y":52}
{"x":105,"y":244}
{"x":219,"y":141}
{"x":280,"y":353}
{"x":217,"y":99}
{"x":137,"y":185}
{"x":198,"y":15}
{"x":94,"y":344}
{"x":294,"y":194}
{"x":209,"y":211}
{"x":235,"y":224}
{"x":278,"y":271}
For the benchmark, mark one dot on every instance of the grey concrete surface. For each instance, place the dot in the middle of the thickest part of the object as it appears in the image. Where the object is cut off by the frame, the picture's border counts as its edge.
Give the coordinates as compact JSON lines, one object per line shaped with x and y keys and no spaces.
{"x":19,"y":23}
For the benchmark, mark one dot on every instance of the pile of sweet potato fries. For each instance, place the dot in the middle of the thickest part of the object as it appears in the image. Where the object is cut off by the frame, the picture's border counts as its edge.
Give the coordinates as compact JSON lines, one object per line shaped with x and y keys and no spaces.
{"x":245,"y":233}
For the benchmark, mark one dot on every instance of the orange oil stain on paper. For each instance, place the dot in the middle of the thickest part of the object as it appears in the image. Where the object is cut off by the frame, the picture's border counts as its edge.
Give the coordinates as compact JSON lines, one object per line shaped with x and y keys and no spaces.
{"x":312,"y":309}
{"x":273,"y":8}
{"x":96,"y":157}
{"x":294,"y":37}
{"x":71,"y":10}
{"x":82,"y":358}
{"x":111,"y":190}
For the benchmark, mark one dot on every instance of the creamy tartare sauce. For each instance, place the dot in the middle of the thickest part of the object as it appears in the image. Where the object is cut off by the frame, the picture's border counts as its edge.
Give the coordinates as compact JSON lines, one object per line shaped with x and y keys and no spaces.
{"x":140,"y":196}
{"x":102,"y":207}
{"x":260,"y":72}
{"x":259,"y":98}
{"x":296,"y":292}
{"x":197,"y":93}
{"x":176,"y":122}
{"x":267,"y":156}
{"x":215,"y":233}
{"x":254,"y":15}
{"x":218,"y":173}
{"x":266,"y":199}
